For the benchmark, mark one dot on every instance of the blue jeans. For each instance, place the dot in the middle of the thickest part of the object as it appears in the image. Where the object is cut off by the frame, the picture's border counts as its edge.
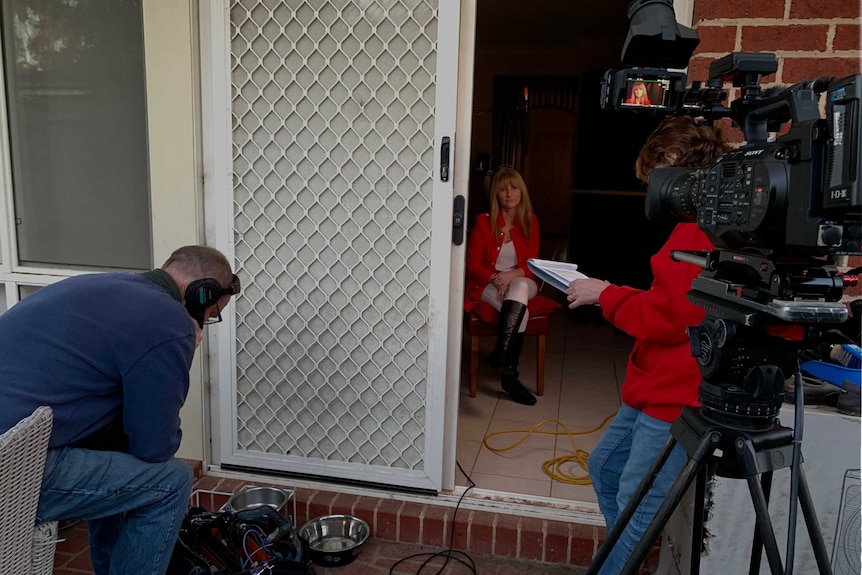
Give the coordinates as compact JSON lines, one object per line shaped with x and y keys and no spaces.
{"x":133,"y":509}
{"x":617,"y":465}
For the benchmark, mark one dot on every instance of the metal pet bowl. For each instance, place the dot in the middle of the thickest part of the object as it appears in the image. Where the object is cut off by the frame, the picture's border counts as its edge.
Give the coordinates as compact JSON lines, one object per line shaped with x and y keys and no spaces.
{"x":334,"y":540}
{"x":252,"y":497}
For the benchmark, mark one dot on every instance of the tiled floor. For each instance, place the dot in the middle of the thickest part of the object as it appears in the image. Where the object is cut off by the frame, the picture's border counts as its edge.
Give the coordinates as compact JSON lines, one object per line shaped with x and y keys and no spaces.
{"x":585,"y":364}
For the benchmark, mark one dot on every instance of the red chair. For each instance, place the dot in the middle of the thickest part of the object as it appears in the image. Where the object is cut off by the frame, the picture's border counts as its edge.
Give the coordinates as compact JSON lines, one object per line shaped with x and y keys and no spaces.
{"x":483,"y":320}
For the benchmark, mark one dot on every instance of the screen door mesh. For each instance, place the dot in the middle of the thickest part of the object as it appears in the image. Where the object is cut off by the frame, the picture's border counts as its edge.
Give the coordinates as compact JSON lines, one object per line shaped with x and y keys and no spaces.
{"x":332,"y":111}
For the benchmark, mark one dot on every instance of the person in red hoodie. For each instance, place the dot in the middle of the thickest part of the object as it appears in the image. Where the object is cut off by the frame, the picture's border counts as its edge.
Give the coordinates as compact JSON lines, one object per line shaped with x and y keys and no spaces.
{"x":661,"y":377}
{"x":500,"y":244}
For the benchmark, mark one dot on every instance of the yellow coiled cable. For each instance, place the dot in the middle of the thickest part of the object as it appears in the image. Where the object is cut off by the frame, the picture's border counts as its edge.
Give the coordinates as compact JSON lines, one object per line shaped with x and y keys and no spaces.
{"x":553,"y":467}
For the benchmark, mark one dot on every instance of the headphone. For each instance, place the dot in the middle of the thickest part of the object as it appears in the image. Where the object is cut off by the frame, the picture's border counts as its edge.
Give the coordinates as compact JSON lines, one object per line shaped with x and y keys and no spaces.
{"x":203,"y":293}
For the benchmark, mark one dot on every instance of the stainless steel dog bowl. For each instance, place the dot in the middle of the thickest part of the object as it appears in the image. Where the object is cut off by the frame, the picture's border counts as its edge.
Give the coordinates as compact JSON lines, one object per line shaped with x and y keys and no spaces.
{"x":252,"y":497}
{"x":334,"y":540}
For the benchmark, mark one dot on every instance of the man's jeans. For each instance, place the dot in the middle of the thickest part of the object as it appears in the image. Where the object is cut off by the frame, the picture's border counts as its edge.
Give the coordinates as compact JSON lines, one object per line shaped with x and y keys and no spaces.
{"x":133,"y":509}
{"x":618,"y":464}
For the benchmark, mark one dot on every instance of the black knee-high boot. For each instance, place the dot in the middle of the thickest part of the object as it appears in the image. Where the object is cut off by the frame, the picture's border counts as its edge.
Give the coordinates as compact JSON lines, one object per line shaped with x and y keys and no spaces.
{"x":511,"y":384}
{"x":504,"y":358}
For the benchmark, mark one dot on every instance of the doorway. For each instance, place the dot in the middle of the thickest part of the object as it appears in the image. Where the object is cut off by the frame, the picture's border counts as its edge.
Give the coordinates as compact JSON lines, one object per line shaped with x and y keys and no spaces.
{"x":570,"y":44}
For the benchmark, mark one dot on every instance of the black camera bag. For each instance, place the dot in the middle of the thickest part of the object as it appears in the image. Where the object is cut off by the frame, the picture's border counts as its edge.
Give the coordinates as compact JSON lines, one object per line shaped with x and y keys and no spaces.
{"x":246,"y":543}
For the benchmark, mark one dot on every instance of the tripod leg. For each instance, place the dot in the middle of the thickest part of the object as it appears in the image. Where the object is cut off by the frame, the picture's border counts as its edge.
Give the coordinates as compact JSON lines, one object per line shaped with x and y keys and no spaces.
{"x":696,"y":463}
{"x":764,"y":523}
{"x":757,"y":542}
{"x":631,"y":507}
{"x":662,"y":515}
{"x":817,"y":544}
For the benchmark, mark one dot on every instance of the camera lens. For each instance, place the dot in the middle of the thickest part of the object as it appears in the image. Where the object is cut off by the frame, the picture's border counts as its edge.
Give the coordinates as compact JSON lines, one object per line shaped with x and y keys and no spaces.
{"x":673,"y":195}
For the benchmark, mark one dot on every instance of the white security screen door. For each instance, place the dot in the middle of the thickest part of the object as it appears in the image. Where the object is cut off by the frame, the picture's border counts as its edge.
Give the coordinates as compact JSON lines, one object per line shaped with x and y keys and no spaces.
{"x":324,"y":158}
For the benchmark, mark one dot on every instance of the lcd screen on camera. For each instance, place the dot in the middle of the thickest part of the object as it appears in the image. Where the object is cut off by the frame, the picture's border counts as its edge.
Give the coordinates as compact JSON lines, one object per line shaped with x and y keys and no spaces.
{"x":642,"y":91}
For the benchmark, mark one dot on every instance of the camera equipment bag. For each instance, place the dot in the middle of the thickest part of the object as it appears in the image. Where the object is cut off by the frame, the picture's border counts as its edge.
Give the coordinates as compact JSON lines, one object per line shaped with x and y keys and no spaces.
{"x":256,"y":541}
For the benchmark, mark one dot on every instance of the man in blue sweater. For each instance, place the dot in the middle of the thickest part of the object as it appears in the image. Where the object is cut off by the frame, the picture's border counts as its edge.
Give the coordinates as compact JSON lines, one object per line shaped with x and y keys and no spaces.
{"x":110,"y":354}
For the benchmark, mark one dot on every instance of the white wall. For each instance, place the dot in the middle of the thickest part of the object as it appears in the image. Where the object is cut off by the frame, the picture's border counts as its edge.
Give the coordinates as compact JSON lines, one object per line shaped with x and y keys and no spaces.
{"x":170,"y":45}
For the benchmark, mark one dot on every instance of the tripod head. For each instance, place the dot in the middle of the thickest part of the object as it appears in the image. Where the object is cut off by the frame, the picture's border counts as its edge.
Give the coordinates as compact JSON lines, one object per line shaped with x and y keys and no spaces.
{"x":760,"y":313}
{"x":743,"y":372}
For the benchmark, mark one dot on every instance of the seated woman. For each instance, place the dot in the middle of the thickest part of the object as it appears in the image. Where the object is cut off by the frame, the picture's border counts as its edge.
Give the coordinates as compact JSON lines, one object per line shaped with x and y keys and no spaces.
{"x":639,"y":96}
{"x":500,"y":244}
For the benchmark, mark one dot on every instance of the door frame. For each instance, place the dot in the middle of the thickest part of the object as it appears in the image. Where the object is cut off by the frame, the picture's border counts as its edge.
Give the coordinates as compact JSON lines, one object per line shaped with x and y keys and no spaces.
{"x":441,"y":404}
{"x":461,"y":174}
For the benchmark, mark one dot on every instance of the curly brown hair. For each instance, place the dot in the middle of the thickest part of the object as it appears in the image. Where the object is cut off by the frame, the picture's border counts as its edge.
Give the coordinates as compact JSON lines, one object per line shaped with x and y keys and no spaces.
{"x":678,"y":141}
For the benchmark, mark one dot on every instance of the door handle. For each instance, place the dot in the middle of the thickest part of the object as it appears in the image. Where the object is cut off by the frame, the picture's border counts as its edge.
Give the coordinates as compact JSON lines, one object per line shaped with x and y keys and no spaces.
{"x":444,"y":159}
{"x":458,"y":221}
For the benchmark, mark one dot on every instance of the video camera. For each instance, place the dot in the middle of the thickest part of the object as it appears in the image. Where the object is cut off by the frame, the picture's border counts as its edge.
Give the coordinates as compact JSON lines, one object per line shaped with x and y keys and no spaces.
{"x":795,"y":195}
{"x":777,"y":209}
{"x":655,"y":42}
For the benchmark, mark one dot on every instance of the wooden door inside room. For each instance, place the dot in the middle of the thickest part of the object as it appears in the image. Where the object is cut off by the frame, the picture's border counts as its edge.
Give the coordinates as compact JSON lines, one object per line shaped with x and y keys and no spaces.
{"x":534,"y":126}
{"x":548,"y":174}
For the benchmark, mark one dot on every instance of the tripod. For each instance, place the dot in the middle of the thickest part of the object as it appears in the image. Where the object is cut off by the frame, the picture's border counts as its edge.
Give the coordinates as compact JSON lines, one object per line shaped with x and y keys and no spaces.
{"x":745,"y":454}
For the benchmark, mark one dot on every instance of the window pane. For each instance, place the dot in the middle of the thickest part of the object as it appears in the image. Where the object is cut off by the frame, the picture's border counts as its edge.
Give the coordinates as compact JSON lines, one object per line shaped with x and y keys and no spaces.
{"x":77,"y":120}
{"x":24,"y":291}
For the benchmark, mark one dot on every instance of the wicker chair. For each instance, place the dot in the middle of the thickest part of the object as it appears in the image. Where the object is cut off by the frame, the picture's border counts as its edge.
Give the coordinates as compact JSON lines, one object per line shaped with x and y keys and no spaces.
{"x":24,"y":546}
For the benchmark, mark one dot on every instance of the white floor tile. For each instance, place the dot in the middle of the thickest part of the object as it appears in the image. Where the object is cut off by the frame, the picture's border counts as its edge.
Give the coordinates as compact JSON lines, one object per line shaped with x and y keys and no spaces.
{"x":538,"y":487}
{"x":466,"y":452}
{"x":584,"y":367}
{"x":520,"y":434}
{"x":521,"y":461}
{"x":582,"y":493}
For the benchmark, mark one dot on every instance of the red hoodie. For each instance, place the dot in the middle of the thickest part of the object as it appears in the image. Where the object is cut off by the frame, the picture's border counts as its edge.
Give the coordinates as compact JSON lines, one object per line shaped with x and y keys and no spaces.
{"x":661,"y":377}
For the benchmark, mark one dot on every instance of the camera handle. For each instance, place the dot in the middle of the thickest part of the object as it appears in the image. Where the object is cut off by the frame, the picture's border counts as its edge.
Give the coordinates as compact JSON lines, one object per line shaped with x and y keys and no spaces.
{"x":745,"y":455}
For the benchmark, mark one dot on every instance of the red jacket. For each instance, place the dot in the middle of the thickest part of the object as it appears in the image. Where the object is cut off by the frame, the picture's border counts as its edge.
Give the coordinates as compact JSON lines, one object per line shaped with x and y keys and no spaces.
{"x":661,"y":377}
{"x":482,"y":252}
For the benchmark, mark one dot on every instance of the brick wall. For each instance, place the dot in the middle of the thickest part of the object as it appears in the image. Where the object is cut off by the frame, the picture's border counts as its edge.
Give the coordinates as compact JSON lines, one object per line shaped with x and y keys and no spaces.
{"x":439,"y":525}
{"x":810,"y":38}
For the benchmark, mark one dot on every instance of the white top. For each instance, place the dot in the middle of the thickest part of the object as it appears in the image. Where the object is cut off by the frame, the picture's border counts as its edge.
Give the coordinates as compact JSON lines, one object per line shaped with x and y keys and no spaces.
{"x":507,"y":259}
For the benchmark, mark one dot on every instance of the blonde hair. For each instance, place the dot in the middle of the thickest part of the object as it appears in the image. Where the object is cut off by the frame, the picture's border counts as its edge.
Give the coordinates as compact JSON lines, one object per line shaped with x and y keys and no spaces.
{"x":503,"y":177}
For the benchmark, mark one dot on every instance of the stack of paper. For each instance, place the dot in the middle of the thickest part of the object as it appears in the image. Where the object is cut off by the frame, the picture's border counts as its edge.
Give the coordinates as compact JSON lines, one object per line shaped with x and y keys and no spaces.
{"x":558,"y":274}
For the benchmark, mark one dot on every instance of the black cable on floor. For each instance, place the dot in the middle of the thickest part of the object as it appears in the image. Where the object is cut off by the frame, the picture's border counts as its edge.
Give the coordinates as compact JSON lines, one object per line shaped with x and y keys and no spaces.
{"x":450,"y":554}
